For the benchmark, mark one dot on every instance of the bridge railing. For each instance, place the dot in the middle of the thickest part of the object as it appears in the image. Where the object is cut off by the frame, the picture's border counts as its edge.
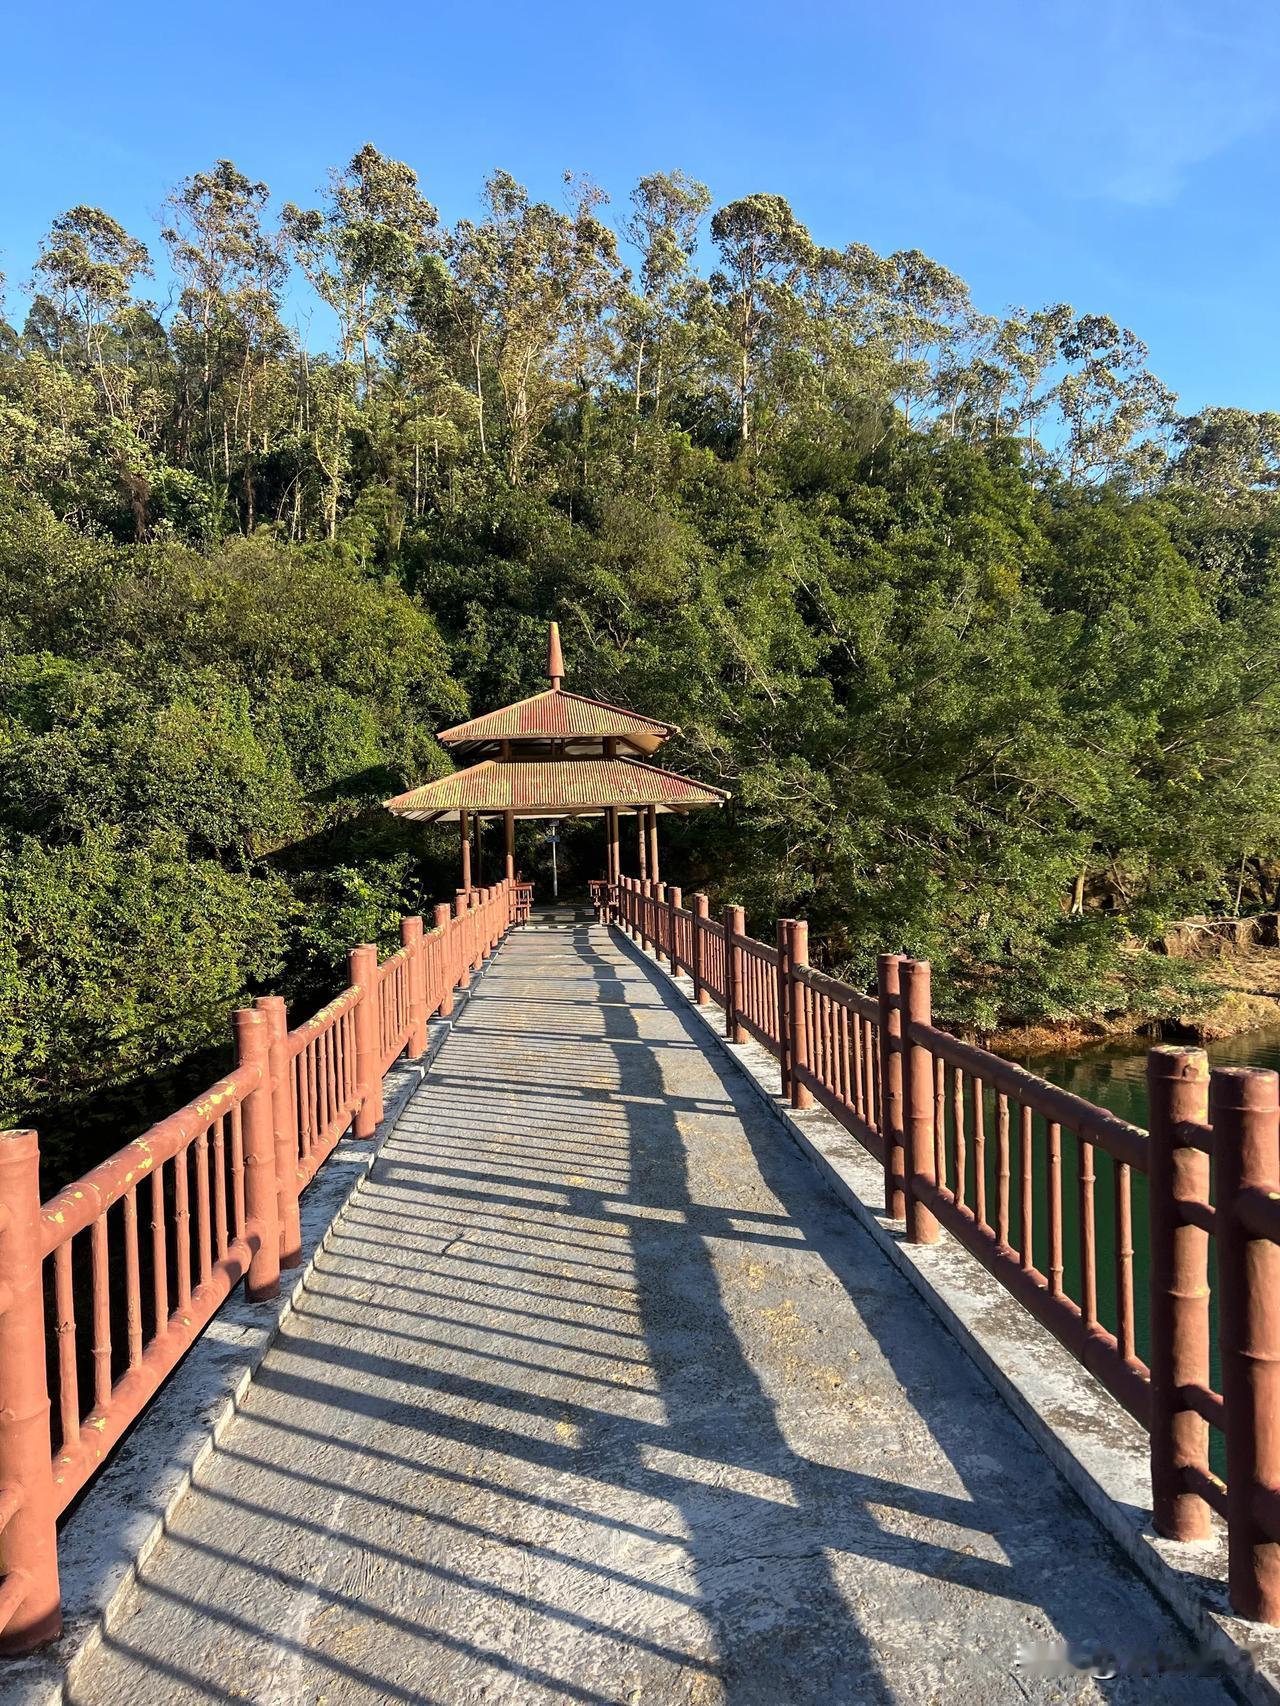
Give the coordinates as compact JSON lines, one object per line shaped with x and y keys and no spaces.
{"x":104,"y":1288}
{"x":1036,"y":1182}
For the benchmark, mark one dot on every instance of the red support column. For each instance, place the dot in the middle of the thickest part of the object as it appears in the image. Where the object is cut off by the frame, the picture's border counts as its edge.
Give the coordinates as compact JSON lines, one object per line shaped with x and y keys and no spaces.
{"x":464,"y":838}
{"x":285,"y":1129}
{"x":1244,"y":1109}
{"x":798,"y":955}
{"x":411,"y":937}
{"x":785,"y":1060}
{"x":443,"y":916}
{"x":918,"y":1100}
{"x":615,"y":864}
{"x":641,"y":860}
{"x":735,"y":924}
{"x":29,"y":1539}
{"x":654,"y":872}
{"x":1178,"y":1101}
{"x":257,"y":1124}
{"x":701,"y":908}
{"x":364,"y":974}
{"x":509,"y":832}
{"x":889,"y":989}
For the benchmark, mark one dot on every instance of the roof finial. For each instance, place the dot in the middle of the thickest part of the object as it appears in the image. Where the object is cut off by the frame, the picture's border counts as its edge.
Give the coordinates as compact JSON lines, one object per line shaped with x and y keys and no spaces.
{"x":555,"y":657}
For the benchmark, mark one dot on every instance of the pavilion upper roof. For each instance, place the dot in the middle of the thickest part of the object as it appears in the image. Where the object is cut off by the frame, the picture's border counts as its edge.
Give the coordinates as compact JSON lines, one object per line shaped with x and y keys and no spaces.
{"x":555,"y":715}
{"x":567,"y":787}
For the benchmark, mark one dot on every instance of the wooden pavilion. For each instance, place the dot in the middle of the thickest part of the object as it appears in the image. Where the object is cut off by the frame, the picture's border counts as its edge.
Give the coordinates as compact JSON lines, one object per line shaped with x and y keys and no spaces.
{"x":557,"y":755}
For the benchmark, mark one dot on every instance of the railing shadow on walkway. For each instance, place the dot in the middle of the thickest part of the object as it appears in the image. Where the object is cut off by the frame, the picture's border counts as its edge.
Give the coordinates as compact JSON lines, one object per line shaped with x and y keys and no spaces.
{"x":656,"y":1406}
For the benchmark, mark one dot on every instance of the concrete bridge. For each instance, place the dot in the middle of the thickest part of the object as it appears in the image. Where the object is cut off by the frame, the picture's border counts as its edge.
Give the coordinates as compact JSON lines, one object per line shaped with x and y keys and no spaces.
{"x":598,"y":1393}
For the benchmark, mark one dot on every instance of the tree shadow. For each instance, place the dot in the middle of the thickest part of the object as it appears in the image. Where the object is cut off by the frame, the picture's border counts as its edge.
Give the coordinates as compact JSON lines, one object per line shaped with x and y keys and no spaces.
{"x":599,"y":1395}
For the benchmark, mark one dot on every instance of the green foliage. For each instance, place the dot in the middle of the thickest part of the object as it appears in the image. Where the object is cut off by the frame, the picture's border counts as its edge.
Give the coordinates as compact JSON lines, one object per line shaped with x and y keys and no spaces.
{"x":117,"y":961}
{"x":980,"y":635}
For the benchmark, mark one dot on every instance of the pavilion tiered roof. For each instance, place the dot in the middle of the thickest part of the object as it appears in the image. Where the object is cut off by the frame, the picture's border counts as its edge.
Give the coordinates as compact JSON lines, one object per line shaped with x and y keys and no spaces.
{"x":567,"y":787}
{"x":555,"y":715}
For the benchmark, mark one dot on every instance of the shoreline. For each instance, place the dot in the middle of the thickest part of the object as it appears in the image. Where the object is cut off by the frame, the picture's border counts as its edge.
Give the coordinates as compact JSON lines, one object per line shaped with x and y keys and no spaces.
{"x":1248,"y":999}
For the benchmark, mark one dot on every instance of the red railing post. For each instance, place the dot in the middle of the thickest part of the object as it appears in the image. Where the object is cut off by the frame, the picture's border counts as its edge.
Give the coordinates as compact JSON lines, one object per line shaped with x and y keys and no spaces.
{"x":284,"y":1120}
{"x":798,"y":958}
{"x":257,"y":1124}
{"x":1178,"y":1101}
{"x":889,"y":991}
{"x":442,"y":925}
{"x":364,"y":973}
{"x":475,"y":946}
{"x":459,"y":927}
{"x":735,"y":924}
{"x":411,"y":937}
{"x":785,"y":1061}
{"x":659,"y":920}
{"x":701,"y":907}
{"x":919,"y":1110}
{"x":1244,"y":1109}
{"x":30,"y":1598}
{"x":675,"y":903}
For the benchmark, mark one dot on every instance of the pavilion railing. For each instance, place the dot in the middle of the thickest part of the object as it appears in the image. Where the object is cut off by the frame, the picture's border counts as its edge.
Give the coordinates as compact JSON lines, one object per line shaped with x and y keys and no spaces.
{"x":104,"y":1288}
{"x":1034,"y":1182}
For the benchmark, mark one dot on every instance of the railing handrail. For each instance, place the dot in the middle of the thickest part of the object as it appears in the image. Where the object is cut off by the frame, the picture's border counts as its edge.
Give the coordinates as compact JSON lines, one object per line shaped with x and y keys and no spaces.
{"x":76,"y":1206}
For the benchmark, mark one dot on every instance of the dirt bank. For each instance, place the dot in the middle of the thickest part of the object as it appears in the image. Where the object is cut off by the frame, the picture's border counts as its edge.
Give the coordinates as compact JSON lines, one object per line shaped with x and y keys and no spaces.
{"x":1243,"y":986}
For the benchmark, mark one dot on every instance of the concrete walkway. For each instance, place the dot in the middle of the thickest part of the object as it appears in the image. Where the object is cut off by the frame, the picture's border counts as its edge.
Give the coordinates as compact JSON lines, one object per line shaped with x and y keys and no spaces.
{"x":600,"y":1397}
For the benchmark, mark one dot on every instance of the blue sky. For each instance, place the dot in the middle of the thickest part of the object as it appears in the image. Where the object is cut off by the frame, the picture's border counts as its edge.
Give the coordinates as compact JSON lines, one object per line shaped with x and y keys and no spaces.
{"x":1120,"y":155}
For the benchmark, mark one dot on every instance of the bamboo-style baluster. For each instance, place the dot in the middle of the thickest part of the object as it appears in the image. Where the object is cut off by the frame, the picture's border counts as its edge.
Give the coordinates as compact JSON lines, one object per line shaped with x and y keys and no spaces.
{"x":239,"y":1218}
{"x":1002,"y":1169}
{"x":1088,"y":1239}
{"x":1054,"y":1189}
{"x":940,"y":1119}
{"x":842,"y":1055}
{"x":980,"y":1151}
{"x":182,"y":1226}
{"x":326,"y":1084}
{"x":68,"y":1375}
{"x":1124,"y":1260}
{"x":1026,"y":1199}
{"x":859,"y":1071}
{"x":101,"y":1279}
{"x":132,"y":1278}
{"x":957,"y":1122}
{"x":873,"y":1074}
{"x":203,"y":1217}
{"x":159,"y":1255}
{"x":220,"y":1187}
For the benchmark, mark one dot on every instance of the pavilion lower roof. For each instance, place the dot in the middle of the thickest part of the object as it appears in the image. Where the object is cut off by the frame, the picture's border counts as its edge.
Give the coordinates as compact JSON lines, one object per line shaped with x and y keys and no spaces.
{"x":554,"y":788}
{"x":557,"y":715}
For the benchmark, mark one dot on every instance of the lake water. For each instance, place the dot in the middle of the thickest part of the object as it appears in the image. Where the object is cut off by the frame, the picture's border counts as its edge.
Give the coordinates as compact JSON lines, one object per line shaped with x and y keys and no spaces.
{"x":1113,"y":1074}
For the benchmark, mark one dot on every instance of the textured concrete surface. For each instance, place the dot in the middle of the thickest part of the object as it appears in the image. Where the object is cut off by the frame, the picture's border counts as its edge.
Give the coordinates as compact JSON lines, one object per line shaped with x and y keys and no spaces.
{"x":599,"y":1395}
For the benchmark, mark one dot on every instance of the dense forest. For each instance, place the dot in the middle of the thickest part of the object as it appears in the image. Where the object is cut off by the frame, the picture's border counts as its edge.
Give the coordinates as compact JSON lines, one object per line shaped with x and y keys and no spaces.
{"x":977,"y":627}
